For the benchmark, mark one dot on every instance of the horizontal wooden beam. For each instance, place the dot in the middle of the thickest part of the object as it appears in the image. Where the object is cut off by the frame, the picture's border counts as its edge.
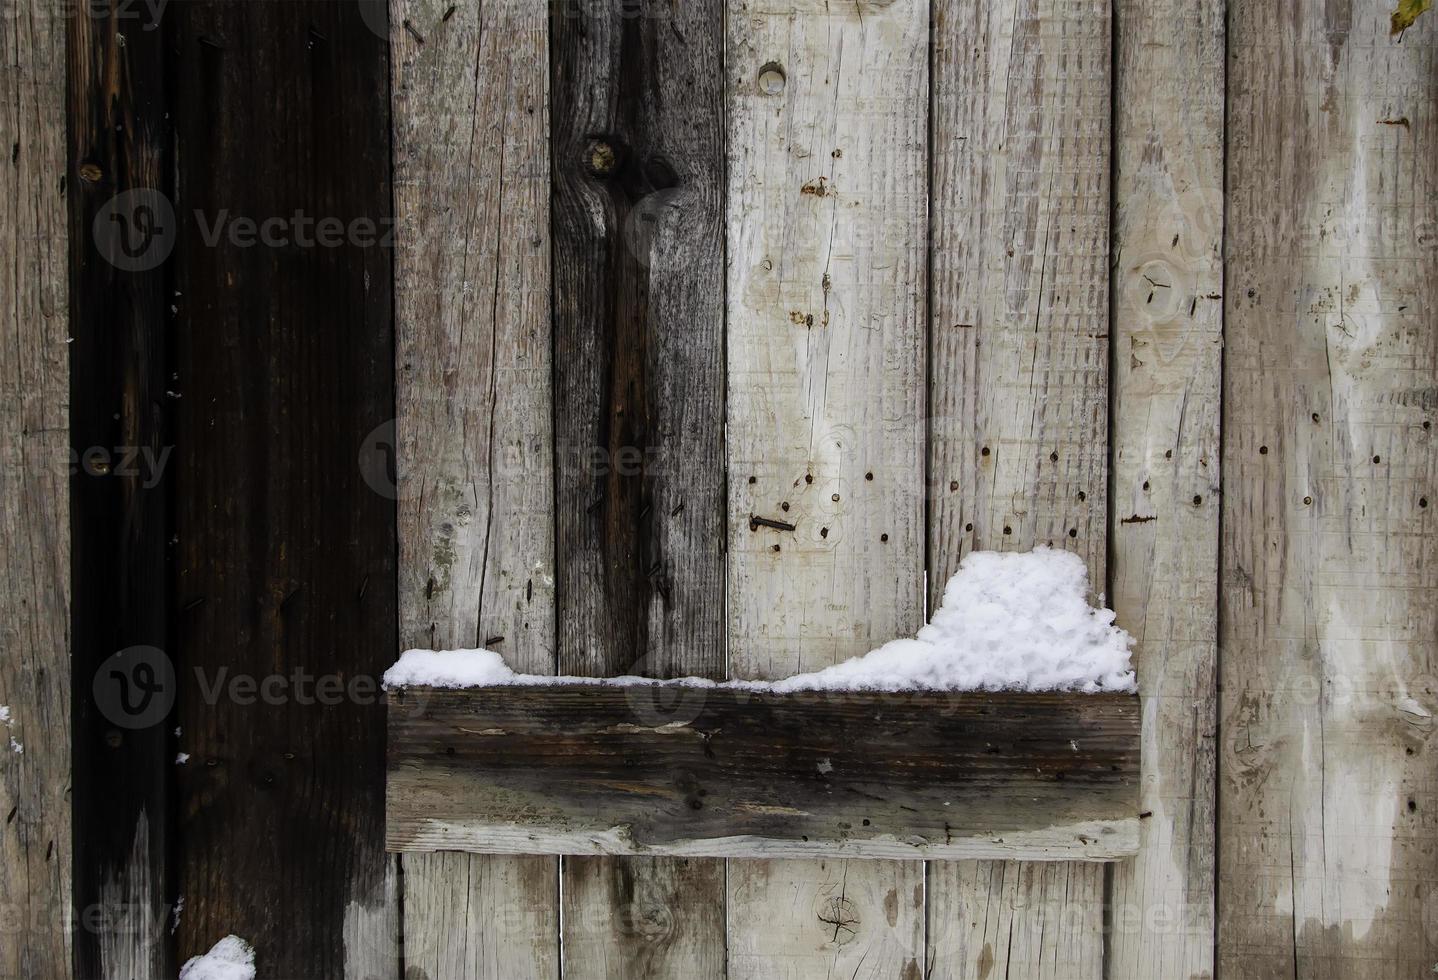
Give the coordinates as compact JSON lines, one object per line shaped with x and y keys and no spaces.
{"x":721,"y":772}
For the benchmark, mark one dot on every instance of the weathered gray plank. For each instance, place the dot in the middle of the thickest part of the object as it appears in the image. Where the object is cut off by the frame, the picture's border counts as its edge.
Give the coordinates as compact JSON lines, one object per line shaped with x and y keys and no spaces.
{"x":1016,"y":919}
{"x":637,"y":138}
{"x":1168,"y":328}
{"x":480,"y":917}
{"x":827,"y":178}
{"x":1328,"y":852}
{"x":34,"y":513}
{"x":1019,"y":346}
{"x":589,"y":769}
{"x":475,"y":450}
{"x":643,"y":917}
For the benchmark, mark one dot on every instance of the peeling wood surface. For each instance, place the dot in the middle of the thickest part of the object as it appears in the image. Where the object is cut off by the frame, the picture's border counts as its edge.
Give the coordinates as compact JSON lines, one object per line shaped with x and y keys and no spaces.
{"x":827,"y":176}
{"x":282,"y":555}
{"x":1328,"y":856}
{"x":1168,"y":331}
{"x":35,"y":852}
{"x":685,"y":770}
{"x":637,"y":138}
{"x":474,"y":461}
{"x":1019,"y":345}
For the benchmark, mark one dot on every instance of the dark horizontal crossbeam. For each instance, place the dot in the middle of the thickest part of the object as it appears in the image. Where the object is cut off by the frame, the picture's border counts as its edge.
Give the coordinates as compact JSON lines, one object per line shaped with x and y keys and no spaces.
{"x":728,"y":773}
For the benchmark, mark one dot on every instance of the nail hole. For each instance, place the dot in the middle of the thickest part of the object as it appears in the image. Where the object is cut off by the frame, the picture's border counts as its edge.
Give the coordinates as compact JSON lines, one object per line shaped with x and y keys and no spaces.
{"x":771,"y":79}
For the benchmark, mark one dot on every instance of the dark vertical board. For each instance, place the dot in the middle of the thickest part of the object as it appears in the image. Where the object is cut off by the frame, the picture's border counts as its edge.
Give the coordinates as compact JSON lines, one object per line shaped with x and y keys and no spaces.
{"x":285,"y":557}
{"x":117,"y":175}
{"x":636,"y":100}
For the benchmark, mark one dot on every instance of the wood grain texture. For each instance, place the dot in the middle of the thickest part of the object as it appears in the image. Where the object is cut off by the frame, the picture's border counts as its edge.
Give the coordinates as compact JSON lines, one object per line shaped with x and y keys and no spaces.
{"x":1015,"y":919}
{"x":118,"y":171}
{"x":477,"y":917}
{"x":1328,"y":832}
{"x":474,"y":466}
{"x":284,"y":561}
{"x":864,"y":917}
{"x":1019,"y":340}
{"x":1168,"y":331}
{"x":638,"y":216}
{"x":35,"y":852}
{"x":654,"y":769}
{"x":643,"y":917}
{"x":827,"y":140}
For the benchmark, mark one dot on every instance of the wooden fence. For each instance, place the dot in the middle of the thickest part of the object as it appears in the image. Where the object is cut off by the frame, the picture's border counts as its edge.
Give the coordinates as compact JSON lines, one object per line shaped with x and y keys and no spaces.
{"x":445,"y":323}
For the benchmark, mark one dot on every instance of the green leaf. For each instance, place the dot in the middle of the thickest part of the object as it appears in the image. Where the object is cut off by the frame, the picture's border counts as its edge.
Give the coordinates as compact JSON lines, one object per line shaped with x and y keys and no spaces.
{"x":1407,"y":13}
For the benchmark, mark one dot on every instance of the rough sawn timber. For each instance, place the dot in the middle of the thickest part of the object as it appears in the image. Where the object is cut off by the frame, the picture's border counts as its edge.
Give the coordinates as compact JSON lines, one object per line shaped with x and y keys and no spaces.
{"x":1328,"y":815}
{"x":1163,"y":558}
{"x":1019,"y":382}
{"x":599,"y":769}
{"x":474,"y":464}
{"x":637,"y":137}
{"x":35,"y":868}
{"x":828,"y":178}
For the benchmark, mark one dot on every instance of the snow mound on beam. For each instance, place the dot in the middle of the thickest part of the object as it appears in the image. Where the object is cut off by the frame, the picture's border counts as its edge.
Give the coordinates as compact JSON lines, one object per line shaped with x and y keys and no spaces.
{"x":229,"y":959}
{"x":1009,"y":621}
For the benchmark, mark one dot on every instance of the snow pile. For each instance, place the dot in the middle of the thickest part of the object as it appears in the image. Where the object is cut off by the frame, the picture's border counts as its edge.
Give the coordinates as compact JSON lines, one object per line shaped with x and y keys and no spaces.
{"x":1014,"y":621}
{"x":5,"y":713}
{"x":230,"y":959}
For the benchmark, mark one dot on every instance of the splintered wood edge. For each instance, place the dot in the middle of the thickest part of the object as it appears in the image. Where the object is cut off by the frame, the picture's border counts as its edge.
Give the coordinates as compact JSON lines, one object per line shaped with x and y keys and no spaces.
{"x":596,"y":770}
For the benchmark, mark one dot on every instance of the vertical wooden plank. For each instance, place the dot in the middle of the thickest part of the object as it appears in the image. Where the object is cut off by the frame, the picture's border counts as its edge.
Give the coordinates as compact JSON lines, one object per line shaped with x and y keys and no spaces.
{"x":1328,"y":822}
{"x":284,"y":556}
{"x":116,"y":181}
{"x":475,"y":446}
{"x":1029,"y":920}
{"x":1168,"y":330}
{"x":1019,"y":378}
{"x":637,"y":138}
{"x":35,"y":849}
{"x":828,"y":134}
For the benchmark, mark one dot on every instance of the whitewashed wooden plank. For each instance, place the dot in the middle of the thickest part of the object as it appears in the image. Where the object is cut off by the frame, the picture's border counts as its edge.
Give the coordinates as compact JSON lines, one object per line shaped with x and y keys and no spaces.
{"x":1019,"y":347}
{"x":1328,"y":833}
{"x":35,"y":853}
{"x":479,"y":918}
{"x":1168,"y":331}
{"x":828,"y":133}
{"x":474,"y":442}
{"x":1015,"y":919}
{"x":791,"y":919}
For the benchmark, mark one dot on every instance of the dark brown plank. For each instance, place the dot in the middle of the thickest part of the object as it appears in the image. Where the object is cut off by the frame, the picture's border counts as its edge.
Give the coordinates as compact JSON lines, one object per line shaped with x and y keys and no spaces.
{"x":724,"y":772}
{"x":119,"y":173}
{"x":285,"y":557}
{"x":637,"y":130}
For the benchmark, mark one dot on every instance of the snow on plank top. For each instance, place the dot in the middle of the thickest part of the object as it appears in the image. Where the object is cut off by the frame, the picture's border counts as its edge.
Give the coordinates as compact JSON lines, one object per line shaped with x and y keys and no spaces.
{"x":1009,"y":621}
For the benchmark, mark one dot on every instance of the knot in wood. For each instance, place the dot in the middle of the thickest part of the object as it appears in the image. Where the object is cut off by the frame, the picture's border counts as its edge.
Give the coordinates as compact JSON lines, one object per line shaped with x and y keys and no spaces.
{"x":601,"y":158}
{"x":839,"y":914}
